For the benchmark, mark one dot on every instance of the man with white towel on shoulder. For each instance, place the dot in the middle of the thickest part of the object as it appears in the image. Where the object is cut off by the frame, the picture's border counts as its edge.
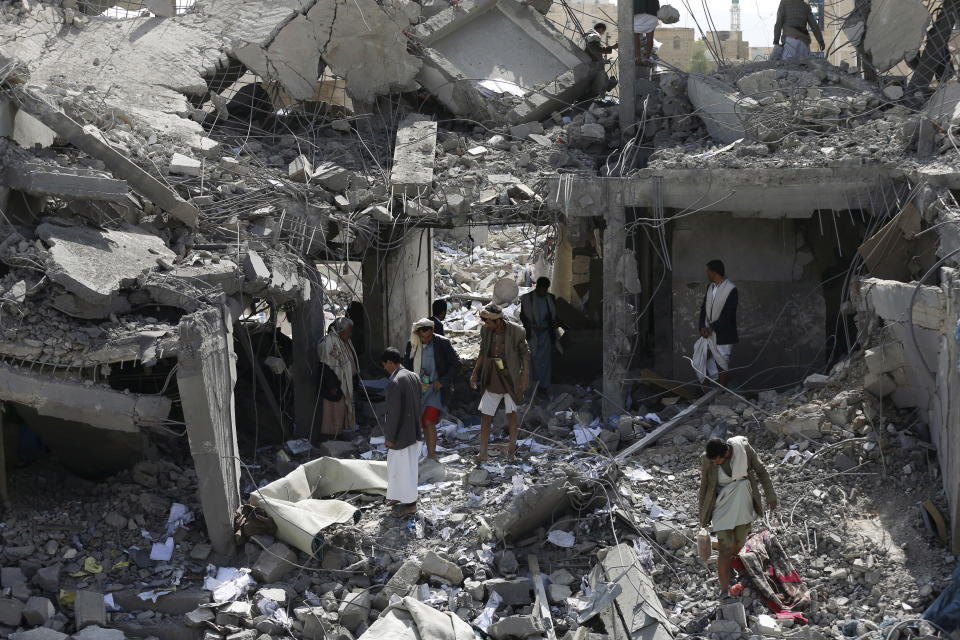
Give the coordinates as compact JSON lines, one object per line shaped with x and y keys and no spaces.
{"x":718,"y":326}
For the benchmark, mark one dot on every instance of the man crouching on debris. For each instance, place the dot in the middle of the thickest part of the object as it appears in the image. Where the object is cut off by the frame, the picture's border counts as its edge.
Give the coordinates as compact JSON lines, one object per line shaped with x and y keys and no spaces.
{"x":401,"y":431}
{"x":503,"y":368}
{"x":730,"y":498}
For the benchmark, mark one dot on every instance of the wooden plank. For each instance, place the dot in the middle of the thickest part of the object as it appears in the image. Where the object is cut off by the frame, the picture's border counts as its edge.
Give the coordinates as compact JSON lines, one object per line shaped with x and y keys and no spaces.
{"x":541,"y":604}
{"x":666,"y":427}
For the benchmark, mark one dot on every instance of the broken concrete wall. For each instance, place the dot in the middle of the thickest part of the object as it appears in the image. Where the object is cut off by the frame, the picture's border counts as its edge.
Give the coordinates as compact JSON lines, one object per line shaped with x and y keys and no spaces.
{"x":781,"y":314}
{"x":398,"y":290}
{"x":541,"y":70}
{"x":917,"y":362}
{"x":205,"y":377}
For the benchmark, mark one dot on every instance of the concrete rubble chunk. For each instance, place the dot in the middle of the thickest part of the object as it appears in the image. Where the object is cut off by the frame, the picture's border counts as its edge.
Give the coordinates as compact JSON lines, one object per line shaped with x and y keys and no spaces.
{"x":413,"y":156}
{"x":41,"y":633}
{"x":884,"y":358}
{"x":332,"y":177}
{"x":11,"y":577}
{"x":185,"y":165}
{"x":11,"y":612}
{"x":895,"y":31}
{"x":274,"y":563}
{"x":720,"y":107}
{"x":515,"y":627}
{"x":300,"y":169}
{"x":515,"y":592}
{"x":89,"y":609}
{"x":620,"y":565}
{"x":47,"y":579}
{"x":38,"y":611}
{"x":47,"y":179}
{"x":436,"y":566}
{"x":94,"y":265}
{"x":403,"y":580}
{"x":355,"y":609}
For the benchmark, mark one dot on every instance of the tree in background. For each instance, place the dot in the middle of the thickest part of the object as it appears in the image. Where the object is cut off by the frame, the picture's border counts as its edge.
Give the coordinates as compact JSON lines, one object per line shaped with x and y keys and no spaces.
{"x":699,"y":62}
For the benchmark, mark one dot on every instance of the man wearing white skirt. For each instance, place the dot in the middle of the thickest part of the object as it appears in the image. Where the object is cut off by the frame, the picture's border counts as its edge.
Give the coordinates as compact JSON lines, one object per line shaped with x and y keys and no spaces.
{"x":401,"y":431}
{"x":730,"y":477}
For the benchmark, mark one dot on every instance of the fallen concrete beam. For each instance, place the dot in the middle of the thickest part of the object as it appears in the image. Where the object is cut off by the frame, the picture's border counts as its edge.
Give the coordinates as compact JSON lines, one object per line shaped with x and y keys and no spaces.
{"x":668,"y":426}
{"x":206,"y":375}
{"x":720,"y":106}
{"x":94,"y":405}
{"x":94,"y":264}
{"x":40,"y":179}
{"x":413,"y":157}
{"x":91,"y":141}
{"x":636,"y":612}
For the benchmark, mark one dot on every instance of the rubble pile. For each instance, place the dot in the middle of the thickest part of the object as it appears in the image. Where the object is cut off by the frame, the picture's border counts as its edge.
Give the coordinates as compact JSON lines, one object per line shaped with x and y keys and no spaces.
{"x":779,"y":115}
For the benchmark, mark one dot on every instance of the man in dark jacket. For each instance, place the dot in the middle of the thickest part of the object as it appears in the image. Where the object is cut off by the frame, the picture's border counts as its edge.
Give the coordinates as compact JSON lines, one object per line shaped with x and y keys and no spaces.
{"x":718,"y":321}
{"x":439,"y":309}
{"x":401,"y":430}
{"x":538,"y":315}
{"x":433,"y":359}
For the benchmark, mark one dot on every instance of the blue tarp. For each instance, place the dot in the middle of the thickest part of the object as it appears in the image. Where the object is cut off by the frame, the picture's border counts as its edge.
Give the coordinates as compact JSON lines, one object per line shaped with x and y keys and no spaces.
{"x":945,"y":610}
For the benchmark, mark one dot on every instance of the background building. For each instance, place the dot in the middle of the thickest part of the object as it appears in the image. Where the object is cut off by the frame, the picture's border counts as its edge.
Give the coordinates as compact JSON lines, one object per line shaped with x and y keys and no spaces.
{"x":677,"y":45}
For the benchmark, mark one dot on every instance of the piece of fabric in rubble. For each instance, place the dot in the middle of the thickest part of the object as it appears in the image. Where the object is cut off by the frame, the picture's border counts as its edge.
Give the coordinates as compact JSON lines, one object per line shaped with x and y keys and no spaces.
{"x":770,"y":571}
{"x":411,"y":619}
{"x":945,"y":610}
{"x":295,"y":502}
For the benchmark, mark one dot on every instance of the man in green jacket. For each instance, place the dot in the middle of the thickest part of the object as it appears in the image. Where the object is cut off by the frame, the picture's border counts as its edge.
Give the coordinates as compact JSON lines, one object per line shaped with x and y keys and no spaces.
{"x":730,"y":472}
{"x":502,"y":371}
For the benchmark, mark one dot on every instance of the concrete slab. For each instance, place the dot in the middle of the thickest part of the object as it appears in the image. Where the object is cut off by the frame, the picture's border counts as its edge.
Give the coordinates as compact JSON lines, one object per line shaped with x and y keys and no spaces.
{"x":722,"y":109}
{"x":895,"y":30}
{"x":101,"y":407}
{"x":533,"y":66}
{"x":47,"y":179}
{"x":413,"y":156}
{"x":94,"y":264}
{"x":636,"y":612}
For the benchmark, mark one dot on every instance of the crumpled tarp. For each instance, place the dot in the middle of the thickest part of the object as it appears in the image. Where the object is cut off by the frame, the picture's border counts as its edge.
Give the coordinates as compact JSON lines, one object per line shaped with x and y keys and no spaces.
{"x":411,"y":619}
{"x":945,"y":610}
{"x":294,"y":501}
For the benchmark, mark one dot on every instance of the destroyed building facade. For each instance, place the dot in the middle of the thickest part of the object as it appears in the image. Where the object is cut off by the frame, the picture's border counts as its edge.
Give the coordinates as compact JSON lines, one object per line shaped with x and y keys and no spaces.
{"x":187,"y":187}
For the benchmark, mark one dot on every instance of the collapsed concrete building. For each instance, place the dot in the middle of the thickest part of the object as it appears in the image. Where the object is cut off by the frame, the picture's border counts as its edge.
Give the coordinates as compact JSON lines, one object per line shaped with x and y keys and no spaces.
{"x":173,"y":182}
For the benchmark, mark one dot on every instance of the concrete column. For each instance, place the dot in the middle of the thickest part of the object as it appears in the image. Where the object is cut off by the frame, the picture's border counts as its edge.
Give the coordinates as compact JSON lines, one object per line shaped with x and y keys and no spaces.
{"x":398,"y":289}
{"x":616,"y":339}
{"x":308,"y":327}
{"x":206,"y":376}
{"x":944,"y":412}
{"x":561,"y":280}
{"x":628,"y":67}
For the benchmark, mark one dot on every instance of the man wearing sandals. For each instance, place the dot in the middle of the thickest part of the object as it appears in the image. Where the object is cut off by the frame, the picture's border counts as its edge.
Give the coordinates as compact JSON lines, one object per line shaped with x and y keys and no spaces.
{"x":502,"y":370}
{"x":401,"y":431}
{"x":730,"y":472}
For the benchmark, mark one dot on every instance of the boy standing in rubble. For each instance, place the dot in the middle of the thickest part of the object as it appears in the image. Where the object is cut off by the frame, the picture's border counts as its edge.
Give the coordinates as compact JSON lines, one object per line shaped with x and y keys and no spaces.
{"x":730,"y":475}
{"x":503,"y":369}
{"x":401,"y":431}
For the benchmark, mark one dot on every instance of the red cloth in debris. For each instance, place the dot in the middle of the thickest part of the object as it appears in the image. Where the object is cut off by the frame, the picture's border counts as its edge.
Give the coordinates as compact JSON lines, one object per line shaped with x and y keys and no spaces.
{"x":765,"y":565}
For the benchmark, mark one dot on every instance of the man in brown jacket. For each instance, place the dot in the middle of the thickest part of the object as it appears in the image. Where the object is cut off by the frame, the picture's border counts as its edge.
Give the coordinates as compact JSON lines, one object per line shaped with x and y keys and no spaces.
{"x":730,"y":475}
{"x":502,"y":371}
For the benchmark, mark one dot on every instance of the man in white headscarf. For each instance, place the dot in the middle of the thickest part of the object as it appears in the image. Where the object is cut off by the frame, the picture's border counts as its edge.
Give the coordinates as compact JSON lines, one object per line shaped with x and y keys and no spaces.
{"x":718,"y":326}
{"x":337,"y":354}
{"x":435,"y":362}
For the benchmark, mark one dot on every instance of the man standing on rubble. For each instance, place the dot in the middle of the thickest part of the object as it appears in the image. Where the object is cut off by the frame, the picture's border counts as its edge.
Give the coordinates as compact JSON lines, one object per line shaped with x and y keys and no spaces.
{"x":502,"y":369}
{"x":730,"y":472}
{"x":434,"y":360}
{"x":793,"y":18}
{"x":538,"y":314}
{"x":718,"y":326}
{"x":439,"y":310}
{"x":644,"y":22}
{"x":401,"y":431}
{"x":593,"y":46}
{"x":337,"y":353}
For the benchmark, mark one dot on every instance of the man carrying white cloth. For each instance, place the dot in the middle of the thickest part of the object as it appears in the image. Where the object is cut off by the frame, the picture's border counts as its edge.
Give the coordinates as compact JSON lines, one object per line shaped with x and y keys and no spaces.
{"x":718,"y":326}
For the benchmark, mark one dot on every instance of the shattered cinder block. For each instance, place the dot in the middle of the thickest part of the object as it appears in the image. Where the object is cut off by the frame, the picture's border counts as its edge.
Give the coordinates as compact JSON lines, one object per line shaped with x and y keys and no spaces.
{"x":884,"y":358}
{"x":38,"y":611}
{"x":403,"y":580}
{"x":11,"y":611}
{"x":435,"y":566}
{"x":300,"y":169}
{"x":332,"y":177}
{"x":516,"y":592}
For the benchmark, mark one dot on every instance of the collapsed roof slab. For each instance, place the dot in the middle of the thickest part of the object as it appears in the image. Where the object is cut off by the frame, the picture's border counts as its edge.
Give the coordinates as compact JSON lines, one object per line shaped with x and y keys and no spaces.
{"x":94,"y":405}
{"x":753,"y":193}
{"x":723,"y":110}
{"x":895,"y":31}
{"x":508,"y":44}
{"x":94,"y":264}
